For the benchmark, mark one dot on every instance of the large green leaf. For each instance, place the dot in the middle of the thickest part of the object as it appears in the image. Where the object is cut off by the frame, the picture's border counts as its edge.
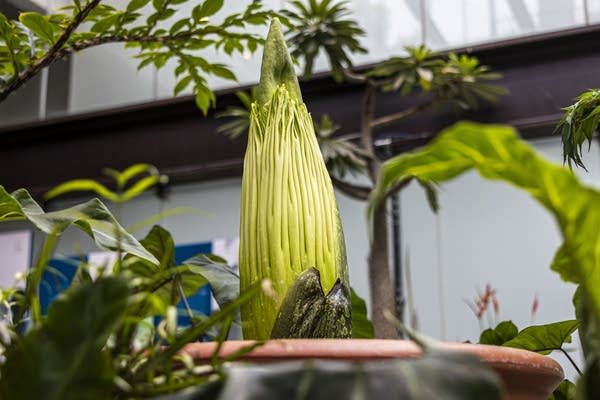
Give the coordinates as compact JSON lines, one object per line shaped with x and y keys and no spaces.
{"x":64,"y":358}
{"x":160,"y":278}
{"x":502,"y":333}
{"x":437,"y":375}
{"x":361,"y":326}
{"x":497,"y":153}
{"x":565,"y":391}
{"x":544,"y":338}
{"x":224,"y":282}
{"x":91,"y":217}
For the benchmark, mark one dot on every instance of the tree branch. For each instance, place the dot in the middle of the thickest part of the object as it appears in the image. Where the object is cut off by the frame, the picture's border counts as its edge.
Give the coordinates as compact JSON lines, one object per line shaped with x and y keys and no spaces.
{"x":392,"y":118}
{"x":61,"y":49}
{"x":355,"y":191}
{"x":366,"y":131}
{"x":352,"y":76}
{"x":50,"y":56}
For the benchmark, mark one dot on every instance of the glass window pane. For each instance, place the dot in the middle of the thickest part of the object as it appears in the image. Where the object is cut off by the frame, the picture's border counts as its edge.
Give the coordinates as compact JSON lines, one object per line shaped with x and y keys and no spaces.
{"x":457,"y":23}
{"x":594,"y":11}
{"x":390,"y":26}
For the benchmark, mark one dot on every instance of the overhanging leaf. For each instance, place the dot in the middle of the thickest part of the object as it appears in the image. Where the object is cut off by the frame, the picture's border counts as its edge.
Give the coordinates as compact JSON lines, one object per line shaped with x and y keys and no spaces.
{"x":91,"y":217}
{"x":497,"y":153}
{"x":224,"y":282}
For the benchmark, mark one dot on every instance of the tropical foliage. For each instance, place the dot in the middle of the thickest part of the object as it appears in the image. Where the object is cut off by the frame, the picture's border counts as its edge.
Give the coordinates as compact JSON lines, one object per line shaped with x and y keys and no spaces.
{"x":578,"y":125}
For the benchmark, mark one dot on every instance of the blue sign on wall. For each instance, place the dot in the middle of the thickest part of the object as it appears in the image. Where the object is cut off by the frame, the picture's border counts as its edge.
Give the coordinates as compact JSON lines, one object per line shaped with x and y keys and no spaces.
{"x":60,"y":273}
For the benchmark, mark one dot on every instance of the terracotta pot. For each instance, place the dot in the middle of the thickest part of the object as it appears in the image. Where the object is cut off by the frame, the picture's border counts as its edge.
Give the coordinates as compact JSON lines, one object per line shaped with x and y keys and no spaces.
{"x":526,"y":375}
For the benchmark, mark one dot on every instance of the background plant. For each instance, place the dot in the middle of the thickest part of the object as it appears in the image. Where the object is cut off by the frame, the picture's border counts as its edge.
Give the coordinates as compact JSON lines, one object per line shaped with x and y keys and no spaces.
{"x":323,"y":27}
{"x":36,"y":41}
{"x":578,"y":125}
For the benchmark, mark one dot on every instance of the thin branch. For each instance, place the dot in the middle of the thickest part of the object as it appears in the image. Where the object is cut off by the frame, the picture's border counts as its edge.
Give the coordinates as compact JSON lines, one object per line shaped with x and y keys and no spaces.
{"x":352,"y":76}
{"x":355,"y":191}
{"x":398,"y":187}
{"x":392,"y":118}
{"x":49,"y":58}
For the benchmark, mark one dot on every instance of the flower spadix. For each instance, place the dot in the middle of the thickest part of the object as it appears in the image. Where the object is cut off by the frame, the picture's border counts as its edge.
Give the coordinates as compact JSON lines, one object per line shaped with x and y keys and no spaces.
{"x":289,"y":216}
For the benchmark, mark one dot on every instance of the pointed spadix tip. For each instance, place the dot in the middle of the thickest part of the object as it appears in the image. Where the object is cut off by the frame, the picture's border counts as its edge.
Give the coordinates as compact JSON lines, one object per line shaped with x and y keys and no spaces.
{"x":277,"y":67}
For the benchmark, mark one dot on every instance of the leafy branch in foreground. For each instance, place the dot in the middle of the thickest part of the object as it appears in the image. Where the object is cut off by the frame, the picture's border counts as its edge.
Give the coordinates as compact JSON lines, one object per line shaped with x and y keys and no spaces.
{"x":36,"y":41}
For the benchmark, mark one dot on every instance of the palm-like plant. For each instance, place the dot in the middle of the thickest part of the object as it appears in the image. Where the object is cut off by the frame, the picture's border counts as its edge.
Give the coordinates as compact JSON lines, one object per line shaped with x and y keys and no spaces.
{"x":578,"y":125}
{"x":322,"y":24}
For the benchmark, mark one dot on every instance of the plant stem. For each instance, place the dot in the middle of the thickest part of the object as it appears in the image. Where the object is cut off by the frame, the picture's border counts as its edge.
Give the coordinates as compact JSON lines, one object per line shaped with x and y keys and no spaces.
{"x":355,"y":191}
{"x":392,"y":118}
{"x":32,"y":297}
{"x":571,"y":361}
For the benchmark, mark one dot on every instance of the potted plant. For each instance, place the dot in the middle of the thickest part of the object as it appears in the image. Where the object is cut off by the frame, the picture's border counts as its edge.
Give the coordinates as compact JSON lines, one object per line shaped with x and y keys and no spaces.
{"x":436,"y":81}
{"x":83,"y":348}
{"x":291,"y":234}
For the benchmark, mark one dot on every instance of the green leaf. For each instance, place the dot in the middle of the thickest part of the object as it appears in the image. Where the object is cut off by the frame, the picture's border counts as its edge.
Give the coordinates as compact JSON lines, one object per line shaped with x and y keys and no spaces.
{"x":65,"y":358}
{"x":136,"y":5}
{"x":91,"y":217}
{"x":544,"y":338}
{"x":223,"y":72}
{"x":123,"y":177}
{"x":437,"y":375}
{"x":179,"y":25}
{"x":106,"y":23}
{"x":182,"y":85}
{"x":206,"y":9}
{"x":204,"y":100}
{"x":361,"y":326}
{"x":224,"y":282}
{"x":502,"y":333}
{"x":81,"y":185}
{"x":160,"y":278}
{"x":565,"y":391}
{"x":140,"y":187}
{"x":39,"y":25}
